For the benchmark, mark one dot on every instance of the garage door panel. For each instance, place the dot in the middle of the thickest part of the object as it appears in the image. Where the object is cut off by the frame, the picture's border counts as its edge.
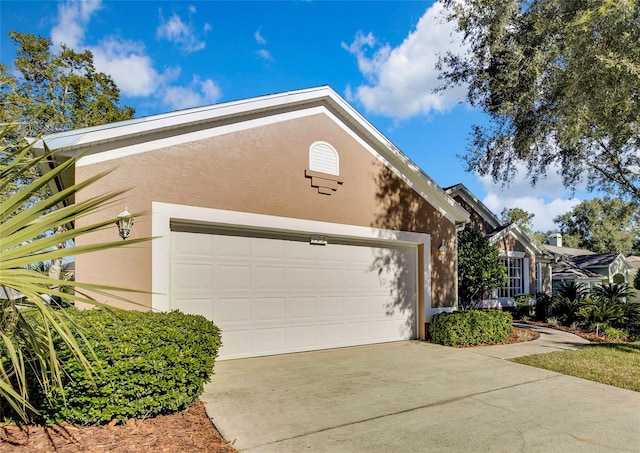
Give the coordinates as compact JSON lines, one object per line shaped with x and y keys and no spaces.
{"x":193,"y":276}
{"x":228,"y":311}
{"x":202,"y":307}
{"x":203,"y":246}
{"x":270,"y":309}
{"x":356,"y":306}
{"x":271,"y":277}
{"x":233,"y":277}
{"x":357,"y":333}
{"x":271,"y":340}
{"x":271,"y":250}
{"x":302,"y":338}
{"x":302,"y":278}
{"x":235,"y":247}
{"x":330,"y":308}
{"x":272,"y":296}
{"x":301,"y":309}
{"x":238,"y":343}
{"x":331,"y":335}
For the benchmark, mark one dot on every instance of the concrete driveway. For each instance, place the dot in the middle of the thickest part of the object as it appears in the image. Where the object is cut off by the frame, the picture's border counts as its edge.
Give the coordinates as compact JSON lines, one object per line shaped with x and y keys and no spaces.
{"x":414,"y":396}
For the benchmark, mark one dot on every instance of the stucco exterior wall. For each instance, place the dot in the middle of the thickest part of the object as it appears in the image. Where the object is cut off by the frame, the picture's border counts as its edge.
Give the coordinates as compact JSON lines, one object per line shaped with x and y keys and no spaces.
{"x":260,"y":171}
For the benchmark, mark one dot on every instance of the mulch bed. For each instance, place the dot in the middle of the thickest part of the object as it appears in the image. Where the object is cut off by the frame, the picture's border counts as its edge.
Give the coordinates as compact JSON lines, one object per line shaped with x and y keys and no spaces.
{"x":190,"y":431}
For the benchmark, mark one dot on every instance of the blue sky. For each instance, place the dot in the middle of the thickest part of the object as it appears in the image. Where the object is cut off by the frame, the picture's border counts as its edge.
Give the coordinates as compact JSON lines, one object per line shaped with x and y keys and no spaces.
{"x":379,"y":55}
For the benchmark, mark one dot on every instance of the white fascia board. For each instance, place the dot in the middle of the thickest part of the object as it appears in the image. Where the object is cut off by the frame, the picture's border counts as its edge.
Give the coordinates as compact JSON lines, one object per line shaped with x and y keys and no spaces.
{"x":520,"y":237}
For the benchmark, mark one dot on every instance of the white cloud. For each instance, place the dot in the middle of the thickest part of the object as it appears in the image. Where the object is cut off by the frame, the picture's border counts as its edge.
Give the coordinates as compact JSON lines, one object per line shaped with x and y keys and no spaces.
{"x":199,"y":92}
{"x":546,"y":200}
{"x":400,"y":80}
{"x":259,"y":38}
{"x":120,"y":58}
{"x":264,"y":54}
{"x":180,"y":33}
{"x":73,"y":18}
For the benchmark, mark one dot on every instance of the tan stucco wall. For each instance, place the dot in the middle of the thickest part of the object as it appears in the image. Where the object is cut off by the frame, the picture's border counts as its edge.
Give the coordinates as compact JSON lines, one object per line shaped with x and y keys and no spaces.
{"x":260,"y":171}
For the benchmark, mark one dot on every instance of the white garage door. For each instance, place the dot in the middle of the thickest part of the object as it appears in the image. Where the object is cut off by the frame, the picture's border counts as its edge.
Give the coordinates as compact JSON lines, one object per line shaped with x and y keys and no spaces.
{"x":272,"y":296}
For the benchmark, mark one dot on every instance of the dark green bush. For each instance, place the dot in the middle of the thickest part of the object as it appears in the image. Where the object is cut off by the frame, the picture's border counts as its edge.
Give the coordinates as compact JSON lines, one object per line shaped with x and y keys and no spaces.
{"x":543,"y":305}
{"x":522,"y":306}
{"x":149,"y":364}
{"x":470,"y":327}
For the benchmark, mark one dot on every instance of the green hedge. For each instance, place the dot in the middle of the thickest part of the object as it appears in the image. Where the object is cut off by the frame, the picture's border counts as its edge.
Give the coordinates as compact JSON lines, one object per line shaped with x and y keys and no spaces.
{"x":151,"y":364}
{"x":470,"y":327}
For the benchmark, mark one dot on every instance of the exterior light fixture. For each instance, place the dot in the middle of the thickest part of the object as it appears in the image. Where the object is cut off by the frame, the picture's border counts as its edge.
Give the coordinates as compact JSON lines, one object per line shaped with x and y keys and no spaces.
{"x":442,"y":251}
{"x":125,"y":222}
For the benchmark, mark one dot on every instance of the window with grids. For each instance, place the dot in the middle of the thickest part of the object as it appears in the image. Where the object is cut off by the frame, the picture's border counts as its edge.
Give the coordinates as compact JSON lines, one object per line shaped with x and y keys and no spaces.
{"x":515,"y":279}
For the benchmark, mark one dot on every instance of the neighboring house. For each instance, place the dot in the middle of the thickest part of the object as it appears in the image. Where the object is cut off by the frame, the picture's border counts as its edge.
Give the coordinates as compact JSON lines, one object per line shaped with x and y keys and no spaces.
{"x":287,"y":219}
{"x":584,"y":266}
{"x":528,"y":268}
{"x":634,"y":262}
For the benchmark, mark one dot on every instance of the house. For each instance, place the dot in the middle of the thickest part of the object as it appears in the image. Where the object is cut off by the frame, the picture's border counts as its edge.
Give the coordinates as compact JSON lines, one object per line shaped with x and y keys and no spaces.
{"x":584,"y":266}
{"x":528,"y":268}
{"x":287,"y":219}
{"x":634,"y":262}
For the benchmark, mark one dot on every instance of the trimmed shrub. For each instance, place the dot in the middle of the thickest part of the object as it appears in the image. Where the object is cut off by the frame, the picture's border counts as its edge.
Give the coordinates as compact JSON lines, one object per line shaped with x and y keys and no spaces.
{"x":149,"y":364}
{"x":471,"y":327}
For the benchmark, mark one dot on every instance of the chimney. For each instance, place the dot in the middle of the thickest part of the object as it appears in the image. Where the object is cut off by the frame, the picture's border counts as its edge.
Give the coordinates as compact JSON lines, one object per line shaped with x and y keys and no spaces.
{"x":555,"y":239}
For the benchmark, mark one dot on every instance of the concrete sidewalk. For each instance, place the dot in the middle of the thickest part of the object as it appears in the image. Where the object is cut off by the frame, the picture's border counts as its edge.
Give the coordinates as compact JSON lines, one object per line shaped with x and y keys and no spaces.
{"x":415,"y":396}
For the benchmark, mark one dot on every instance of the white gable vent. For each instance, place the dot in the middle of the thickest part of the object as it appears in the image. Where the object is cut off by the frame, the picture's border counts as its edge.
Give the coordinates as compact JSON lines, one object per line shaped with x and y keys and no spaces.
{"x":323,"y":158}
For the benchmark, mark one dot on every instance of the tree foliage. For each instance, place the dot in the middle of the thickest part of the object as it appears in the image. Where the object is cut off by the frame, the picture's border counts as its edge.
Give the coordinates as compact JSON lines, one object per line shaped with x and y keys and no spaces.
{"x":51,"y":91}
{"x":522,"y":218}
{"x":560,"y":82}
{"x":602,"y":225}
{"x":479,"y":267}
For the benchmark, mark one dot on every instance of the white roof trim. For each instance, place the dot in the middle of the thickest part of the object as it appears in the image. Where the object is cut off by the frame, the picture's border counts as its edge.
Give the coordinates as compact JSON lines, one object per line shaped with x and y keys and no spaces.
{"x":464,"y":193}
{"x":106,"y":137}
{"x":519,"y":235}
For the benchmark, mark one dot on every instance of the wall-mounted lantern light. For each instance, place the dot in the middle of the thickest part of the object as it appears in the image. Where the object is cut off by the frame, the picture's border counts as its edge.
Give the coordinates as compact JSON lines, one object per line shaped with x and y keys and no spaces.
{"x":442,"y":251}
{"x":125,"y":222}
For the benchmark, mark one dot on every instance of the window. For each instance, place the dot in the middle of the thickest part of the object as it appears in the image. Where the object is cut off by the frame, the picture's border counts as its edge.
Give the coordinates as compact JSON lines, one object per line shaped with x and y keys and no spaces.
{"x":323,"y":158}
{"x":515,"y":277}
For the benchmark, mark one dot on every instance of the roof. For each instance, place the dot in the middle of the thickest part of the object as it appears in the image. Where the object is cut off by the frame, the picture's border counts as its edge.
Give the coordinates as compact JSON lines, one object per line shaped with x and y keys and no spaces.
{"x":596,"y":260}
{"x":567,"y":270}
{"x":565,"y":251}
{"x":124,"y":138}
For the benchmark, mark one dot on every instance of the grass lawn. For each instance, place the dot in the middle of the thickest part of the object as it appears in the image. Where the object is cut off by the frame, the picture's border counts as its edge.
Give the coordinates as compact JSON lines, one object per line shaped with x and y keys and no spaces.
{"x":615,"y":364}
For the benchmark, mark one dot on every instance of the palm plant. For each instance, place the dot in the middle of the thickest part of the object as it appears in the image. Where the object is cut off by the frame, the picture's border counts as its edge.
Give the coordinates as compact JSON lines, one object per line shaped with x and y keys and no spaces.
{"x":28,"y":326}
{"x":572,"y":290}
{"x":602,"y":311}
{"x":613,"y":291}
